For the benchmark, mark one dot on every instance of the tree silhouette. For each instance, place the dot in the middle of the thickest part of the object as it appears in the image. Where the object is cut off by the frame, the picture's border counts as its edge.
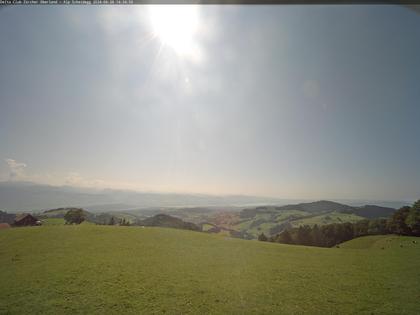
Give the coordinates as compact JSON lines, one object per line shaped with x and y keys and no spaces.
{"x":74,"y":216}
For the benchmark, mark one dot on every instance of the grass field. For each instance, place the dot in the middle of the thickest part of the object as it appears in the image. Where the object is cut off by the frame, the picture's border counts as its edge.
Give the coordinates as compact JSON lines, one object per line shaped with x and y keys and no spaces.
{"x":59,"y":221}
{"x":112,"y":270}
{"x":53,"y":221}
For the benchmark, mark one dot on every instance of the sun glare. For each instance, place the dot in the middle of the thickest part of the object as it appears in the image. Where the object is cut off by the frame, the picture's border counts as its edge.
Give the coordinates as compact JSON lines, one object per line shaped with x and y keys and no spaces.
{"x":175,"y":26}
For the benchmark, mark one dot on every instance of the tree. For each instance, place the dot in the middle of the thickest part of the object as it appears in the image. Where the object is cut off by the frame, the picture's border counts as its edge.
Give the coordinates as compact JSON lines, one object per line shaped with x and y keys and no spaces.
{"x":347,"y":232}
{"x":111,"y":221}
{"x":316,"y":236}
{"x":329,"y":233}
{"x":304,"y":235}
{"x":397,"y":223}
{"x":75,"y":216}
{"x":413,"y":219}
{"x":262,"y":237}
{"x":361,"y":228}
{"x":378,"y":227}
{"x":416,"y":205}
{"x":285,"y":238}
{"x":124,"y":222}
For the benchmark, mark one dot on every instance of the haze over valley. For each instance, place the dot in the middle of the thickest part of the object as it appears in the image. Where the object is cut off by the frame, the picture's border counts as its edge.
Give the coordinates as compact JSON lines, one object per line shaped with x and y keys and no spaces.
{"x":209,"y":159}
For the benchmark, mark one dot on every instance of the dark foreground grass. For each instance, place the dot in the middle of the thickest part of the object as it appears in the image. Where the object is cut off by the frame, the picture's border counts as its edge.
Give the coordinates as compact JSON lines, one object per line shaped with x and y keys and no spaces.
{"x":121,"y":270}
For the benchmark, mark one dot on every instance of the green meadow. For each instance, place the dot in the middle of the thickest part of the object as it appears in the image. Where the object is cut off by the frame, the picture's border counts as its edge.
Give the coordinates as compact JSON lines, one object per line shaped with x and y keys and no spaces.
{"x":90,"y":269}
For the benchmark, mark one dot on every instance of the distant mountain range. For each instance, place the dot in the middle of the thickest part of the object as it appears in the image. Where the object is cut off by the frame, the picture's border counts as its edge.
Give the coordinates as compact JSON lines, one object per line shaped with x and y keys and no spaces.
{"x":367,"y":211}
{"x":318,"y":206}
{"x":27,"y":196}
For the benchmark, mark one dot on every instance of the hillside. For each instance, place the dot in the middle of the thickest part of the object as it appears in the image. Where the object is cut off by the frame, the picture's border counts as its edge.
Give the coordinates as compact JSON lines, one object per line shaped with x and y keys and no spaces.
{"x":367,"y":211}
{"x":101,"y":269}
{"x":60,"y":212}
{"x":318,"y":206}
{"x":271,"y":220}
{"x":383,"y":242}
{"x":164,"y":220}
{"x":327,"y":218}
{"x":372,"y":211}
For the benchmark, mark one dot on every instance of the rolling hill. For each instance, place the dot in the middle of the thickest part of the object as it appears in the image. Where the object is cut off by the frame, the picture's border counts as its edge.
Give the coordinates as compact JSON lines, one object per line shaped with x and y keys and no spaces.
{"x":164,"y":220}
{"x":318,"y":206}
{"x":272,"y":220}
{"x":60,"y":212}
{"x":103,"y":269}
{"x":372,"y":211}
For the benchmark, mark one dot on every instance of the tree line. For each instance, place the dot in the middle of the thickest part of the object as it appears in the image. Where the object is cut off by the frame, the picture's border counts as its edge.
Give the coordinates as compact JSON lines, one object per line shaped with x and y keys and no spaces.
{"x":405,"y":221}
{"x":77,"y":216}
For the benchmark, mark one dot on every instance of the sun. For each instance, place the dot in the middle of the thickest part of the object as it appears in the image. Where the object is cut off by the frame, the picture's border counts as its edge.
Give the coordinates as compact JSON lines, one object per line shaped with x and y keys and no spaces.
{"x":175,"y":26}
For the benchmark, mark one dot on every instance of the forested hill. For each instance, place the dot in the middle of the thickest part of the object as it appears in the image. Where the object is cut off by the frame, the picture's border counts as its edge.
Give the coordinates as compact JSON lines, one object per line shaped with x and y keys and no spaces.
{"x":272,"y":220}
{"x":323,"y":206}
{"x":164,"y":220}
{"x":372,"y":211}
{"x":318,"y":206}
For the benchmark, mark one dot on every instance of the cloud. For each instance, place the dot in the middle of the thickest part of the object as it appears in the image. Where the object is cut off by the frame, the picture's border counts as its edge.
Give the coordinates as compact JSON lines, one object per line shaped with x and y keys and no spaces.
{"x":75,"y":179}
{"x":17,"y":172}
{"x":16,"y":169}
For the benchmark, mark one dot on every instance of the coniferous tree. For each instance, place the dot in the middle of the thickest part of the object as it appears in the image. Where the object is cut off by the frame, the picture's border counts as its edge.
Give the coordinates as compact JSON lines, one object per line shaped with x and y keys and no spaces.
{"x":304,"y":235}
{"x":316,"y":236}
{"x":413,"y":219}
{"x":397,"y":223}
{"x":262,"y":237}
{"x":285,"y":238}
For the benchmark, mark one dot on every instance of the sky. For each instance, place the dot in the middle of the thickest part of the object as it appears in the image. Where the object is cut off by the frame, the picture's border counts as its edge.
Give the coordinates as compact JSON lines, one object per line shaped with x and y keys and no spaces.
{"x":283,"y":101}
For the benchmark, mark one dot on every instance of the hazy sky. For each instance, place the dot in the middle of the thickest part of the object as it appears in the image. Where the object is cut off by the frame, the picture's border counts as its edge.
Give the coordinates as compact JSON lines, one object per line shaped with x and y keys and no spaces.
{"x":284,"y":101}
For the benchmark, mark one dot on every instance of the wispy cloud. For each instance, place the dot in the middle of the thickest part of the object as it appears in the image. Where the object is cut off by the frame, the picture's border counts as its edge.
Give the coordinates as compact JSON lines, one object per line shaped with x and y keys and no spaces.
{"x":75,"y":179}
{"x":20,"y":171}
{"x":16,"y":169}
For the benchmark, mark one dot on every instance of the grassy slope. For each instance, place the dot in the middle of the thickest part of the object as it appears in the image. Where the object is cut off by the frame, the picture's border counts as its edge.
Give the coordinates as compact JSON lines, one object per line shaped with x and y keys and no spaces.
{"x":328,"y":218}
{"x":273,"y":218}
{"x":389,"y":242}
{"x":104,"y":269}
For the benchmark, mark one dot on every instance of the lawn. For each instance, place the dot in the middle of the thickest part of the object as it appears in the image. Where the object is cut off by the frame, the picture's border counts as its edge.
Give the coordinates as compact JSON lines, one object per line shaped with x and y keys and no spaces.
{"x":112,"y":270}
